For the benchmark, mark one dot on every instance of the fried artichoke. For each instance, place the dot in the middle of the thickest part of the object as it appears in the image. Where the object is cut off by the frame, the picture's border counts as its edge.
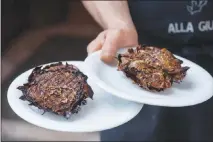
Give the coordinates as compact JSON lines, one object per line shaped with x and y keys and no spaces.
{"x":151,"y":68}
{"x":57,"y":88}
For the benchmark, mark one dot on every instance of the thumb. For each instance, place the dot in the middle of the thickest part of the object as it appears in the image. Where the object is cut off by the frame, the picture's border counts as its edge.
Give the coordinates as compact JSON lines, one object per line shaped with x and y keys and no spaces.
{"x":110,"y":47}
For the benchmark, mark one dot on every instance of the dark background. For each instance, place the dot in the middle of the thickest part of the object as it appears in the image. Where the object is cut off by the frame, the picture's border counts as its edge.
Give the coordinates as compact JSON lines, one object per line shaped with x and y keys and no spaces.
{"x":21,"y":16}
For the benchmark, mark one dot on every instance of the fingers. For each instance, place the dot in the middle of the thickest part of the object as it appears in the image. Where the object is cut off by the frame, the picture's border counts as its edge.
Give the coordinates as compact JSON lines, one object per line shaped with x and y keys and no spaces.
{"x":110,"y":46}
{"x":110,"y":41}
{"x":97,"y":43}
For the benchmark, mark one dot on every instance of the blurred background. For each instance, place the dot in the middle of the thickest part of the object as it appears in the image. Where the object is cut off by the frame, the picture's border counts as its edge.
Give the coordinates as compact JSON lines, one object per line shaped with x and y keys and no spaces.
{"x":35,"y":32}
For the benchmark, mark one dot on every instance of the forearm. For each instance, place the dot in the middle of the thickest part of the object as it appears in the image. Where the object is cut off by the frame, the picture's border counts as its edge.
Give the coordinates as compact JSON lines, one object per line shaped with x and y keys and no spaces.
{"x":110,"y":14}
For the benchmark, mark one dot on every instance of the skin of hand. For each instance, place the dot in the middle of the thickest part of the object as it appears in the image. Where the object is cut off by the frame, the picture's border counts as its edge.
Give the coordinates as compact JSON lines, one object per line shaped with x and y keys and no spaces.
{"x":119,"y":30}
{"x":111,"y":40}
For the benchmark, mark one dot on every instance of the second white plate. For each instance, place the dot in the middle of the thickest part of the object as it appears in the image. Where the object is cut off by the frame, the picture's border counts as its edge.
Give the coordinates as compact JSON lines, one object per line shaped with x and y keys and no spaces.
{"x":196,"y":88}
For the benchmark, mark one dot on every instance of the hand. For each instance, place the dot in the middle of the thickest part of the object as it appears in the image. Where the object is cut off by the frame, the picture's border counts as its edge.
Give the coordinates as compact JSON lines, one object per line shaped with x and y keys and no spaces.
{"x":111,"y":40}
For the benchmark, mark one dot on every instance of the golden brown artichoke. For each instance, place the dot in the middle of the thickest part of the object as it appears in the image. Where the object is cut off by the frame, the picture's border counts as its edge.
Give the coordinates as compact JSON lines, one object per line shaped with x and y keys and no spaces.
{"x":151,"y":68}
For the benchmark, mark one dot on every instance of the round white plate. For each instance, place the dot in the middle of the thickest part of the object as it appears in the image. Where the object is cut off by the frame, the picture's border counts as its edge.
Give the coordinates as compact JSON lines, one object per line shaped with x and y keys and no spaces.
{"x":196,"y":87}
{"x":103,"y":112}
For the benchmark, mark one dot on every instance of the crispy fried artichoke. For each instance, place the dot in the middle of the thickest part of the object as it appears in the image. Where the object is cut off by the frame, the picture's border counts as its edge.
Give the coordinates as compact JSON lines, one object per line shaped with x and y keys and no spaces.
{"x":57,"y":88}
{"x":151,"y":68}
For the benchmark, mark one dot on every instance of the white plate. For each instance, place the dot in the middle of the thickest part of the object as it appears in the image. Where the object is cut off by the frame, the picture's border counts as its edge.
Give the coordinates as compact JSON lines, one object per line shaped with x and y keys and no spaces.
{"x":196,"y":88}
{"x":103,"y":112}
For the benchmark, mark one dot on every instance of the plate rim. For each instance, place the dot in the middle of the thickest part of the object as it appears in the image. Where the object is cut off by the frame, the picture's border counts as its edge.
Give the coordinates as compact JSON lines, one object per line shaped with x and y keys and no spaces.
{"x":146,"y":100}
{"x":41,"y":125}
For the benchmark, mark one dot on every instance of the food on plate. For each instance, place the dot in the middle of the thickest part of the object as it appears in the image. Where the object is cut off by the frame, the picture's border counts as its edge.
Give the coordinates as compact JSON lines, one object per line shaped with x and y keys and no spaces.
{"x":57,"y":88}
{"x":152,"y":68}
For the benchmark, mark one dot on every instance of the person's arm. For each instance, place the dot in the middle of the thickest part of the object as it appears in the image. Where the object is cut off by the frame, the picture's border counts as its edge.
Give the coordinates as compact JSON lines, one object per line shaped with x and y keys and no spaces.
{"x":110,"y":14}
{"x":119,"y":30}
